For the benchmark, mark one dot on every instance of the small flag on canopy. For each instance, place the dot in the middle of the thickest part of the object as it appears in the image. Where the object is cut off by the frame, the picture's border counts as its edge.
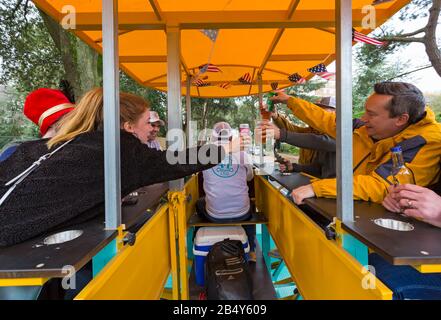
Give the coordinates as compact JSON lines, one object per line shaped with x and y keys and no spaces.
{"x":320,"y":70}
{"x":211,"y":33}
{"x":360,"y":37}
{"x":245,"y":79}
{"x":198,"y":76}
{"x":274,"y":85}
{"x":208,"y":67}
{"x":225,"y":85}
{"x":297,"y":78}
{"x":201,"y":83}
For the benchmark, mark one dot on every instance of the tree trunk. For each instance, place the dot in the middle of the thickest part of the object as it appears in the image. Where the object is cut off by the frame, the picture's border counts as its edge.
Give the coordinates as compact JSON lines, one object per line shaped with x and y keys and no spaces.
{"x":432,"y":49}
{"x":429,"y":38}
{"x":81,"y":63}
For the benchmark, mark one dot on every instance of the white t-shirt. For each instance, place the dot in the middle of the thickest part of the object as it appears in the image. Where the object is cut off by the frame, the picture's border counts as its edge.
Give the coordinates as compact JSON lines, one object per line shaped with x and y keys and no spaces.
{"x":154,"y":145}
{"x":226,"y":189}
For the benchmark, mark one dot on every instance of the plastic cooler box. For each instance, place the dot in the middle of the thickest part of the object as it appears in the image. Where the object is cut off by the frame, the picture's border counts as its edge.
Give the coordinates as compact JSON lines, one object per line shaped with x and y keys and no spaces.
{"x":204,"y":240}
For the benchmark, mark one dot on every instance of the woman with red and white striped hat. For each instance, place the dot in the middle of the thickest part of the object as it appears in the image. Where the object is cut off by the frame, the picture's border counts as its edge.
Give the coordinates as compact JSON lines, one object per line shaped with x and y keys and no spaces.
{"x":44,"y":107}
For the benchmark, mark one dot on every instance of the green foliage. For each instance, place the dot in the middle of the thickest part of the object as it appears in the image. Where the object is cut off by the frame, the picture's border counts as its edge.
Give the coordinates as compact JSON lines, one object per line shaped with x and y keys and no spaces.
{"x":305,"y":91}
{"x":372,"y":67}
{"x":29,"y":61}
{"x":207,"y":112}
{"x":244,"y":110}
{"x":14,"y":126}
{"x":29,"y":57}
{"x":156,"y":99}
{"x":289,"y":149}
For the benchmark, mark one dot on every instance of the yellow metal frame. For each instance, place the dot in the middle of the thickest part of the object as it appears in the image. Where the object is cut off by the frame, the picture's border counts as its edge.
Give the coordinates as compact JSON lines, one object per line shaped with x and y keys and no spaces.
{"x":23,"y":282}
{"x":321,"y":268}
{"x":139,"y":271}
{"x":191,"y":190}
{"x":173,"y":250}
{"x":185,"y":207}
{"x":429,"y":268}
{"x":177,"y":207}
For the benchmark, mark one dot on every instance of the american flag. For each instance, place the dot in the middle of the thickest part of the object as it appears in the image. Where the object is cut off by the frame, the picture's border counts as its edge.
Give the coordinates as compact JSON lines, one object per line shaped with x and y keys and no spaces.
{"x":321,"y":71}
{"x":201,"y":83}
{"x":225,"y":85}
{"x":211,"y":33}
{"x":198,"y":82}
{"x":297,"y":78}
{"x":208,"y":67}
{"x":360,"y":37}
{"x":245,"y":79}
{"x":380,"y":2}
{"x":274,"y":85}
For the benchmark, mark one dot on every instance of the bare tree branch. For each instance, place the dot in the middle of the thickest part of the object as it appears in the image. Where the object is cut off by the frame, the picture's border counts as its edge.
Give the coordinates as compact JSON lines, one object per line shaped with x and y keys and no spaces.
{"x":403,"y":39}
{"x":26,"y":6}
{"x":410,"y":72}
{"x":414,"y":33}
{"x":429,"y":39}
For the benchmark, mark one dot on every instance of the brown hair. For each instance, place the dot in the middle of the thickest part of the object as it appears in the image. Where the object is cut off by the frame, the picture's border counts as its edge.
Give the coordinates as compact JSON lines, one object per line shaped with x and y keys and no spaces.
{"x":406,"y":99}
{"x":88,"y":115}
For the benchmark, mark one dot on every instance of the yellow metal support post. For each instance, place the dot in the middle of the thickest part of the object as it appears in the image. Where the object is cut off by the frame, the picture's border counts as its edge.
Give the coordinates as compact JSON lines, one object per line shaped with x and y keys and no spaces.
{"x":173,"y":230}
{"x":177,"y":205}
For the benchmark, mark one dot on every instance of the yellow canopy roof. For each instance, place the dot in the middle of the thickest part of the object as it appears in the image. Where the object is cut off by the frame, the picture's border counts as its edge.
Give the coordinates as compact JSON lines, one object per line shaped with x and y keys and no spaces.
{"x":277,"y":38}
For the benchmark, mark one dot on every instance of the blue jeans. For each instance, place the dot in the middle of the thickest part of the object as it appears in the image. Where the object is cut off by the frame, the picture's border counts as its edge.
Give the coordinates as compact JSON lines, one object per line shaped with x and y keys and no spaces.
{"x":405,"y":281}
{"x":250,"y":229}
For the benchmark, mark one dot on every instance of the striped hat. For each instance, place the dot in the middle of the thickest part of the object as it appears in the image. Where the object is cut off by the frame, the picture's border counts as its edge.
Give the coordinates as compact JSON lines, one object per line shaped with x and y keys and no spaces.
{"x":45,"y":106}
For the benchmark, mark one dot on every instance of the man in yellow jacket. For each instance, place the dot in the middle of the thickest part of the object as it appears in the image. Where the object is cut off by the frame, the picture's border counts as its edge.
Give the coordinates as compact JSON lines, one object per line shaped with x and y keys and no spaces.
{"x":395,"y":114}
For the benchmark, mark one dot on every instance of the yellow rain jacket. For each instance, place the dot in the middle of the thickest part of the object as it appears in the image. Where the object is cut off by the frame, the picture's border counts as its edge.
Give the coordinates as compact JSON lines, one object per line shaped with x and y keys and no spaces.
{"x":372,"y":163}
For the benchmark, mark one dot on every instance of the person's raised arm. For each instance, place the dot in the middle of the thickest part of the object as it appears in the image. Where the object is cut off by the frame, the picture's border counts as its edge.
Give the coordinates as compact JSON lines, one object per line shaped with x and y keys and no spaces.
{"x":309,"y":113}
{"x":150,"y":166}
{"x":312,"y":141}
{"x":159,"y":166}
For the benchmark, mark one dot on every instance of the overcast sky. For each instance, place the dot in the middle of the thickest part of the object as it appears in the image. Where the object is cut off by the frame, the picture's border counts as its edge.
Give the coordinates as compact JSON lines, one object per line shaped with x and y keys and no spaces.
{"x":427,"y":80}
{"x":414,"y":56}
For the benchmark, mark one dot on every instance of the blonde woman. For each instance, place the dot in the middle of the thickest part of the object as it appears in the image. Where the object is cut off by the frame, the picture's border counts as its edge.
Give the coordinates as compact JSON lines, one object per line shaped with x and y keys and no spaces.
{"x":68,"y":188}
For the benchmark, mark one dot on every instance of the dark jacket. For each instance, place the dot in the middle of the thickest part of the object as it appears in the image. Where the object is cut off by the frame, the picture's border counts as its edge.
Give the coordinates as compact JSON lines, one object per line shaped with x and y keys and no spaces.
{"x":324,"y":162}
{"x":68,"y":188}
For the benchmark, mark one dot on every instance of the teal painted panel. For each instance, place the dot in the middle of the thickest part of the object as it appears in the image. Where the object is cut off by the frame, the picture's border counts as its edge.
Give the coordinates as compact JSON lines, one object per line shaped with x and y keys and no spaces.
{"x":190,"y":236}
{"x":100,"y":260}
{"x":356,"y":249}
